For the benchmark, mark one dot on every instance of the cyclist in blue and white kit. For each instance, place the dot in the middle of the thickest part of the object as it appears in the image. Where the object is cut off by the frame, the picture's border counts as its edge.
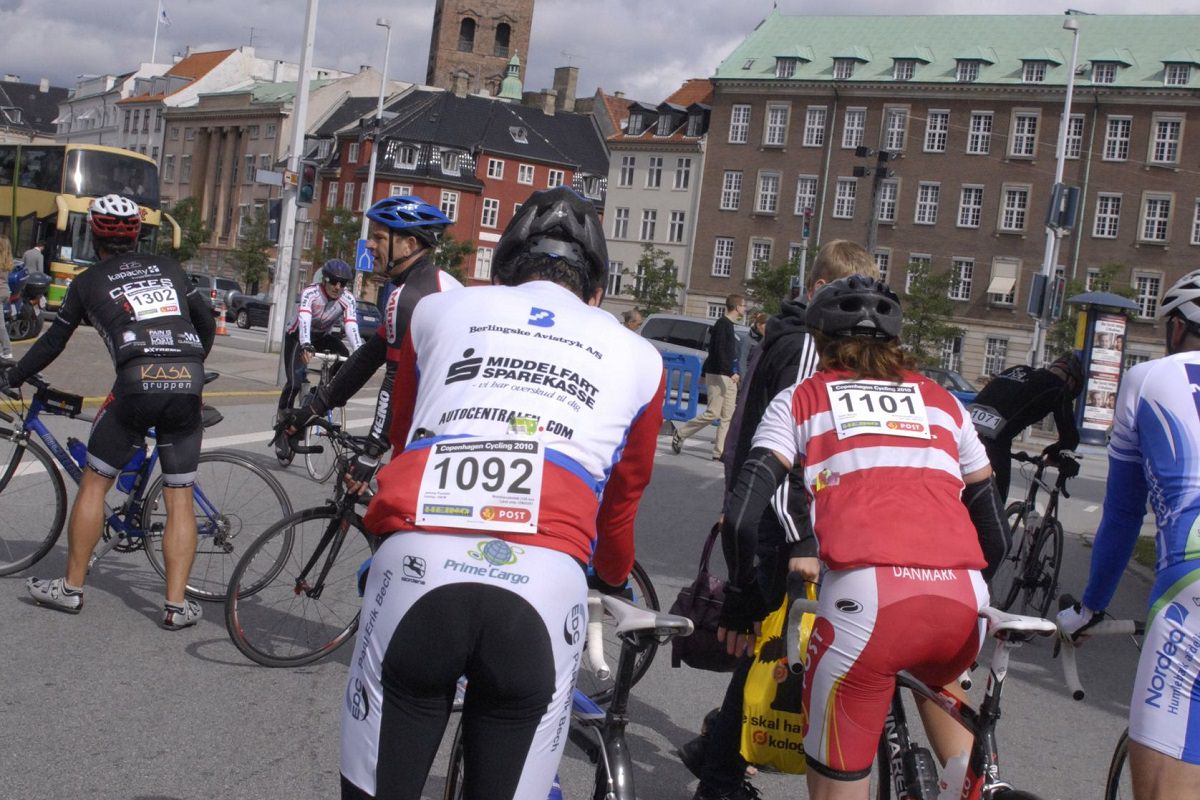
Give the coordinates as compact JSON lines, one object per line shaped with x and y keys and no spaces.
{"x":1154,"y":454}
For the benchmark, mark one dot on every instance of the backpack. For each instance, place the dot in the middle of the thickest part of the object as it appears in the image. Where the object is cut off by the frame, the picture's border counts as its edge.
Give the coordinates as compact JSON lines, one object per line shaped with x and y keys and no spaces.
{"x":701,"y":603}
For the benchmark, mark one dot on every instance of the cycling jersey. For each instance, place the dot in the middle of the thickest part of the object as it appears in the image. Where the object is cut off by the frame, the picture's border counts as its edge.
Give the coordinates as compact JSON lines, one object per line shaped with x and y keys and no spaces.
{"x":1022,"y":396}
{"x":318,"y":313}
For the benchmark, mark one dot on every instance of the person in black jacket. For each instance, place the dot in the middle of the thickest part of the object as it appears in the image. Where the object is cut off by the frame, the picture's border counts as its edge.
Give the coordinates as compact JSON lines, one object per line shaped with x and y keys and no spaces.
{"x":720,"y":377}
{"x":1021,"y":396}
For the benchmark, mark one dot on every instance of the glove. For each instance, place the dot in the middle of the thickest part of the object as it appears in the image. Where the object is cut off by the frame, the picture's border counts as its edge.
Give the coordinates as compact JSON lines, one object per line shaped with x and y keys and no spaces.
{"x":1068,"y":467}
{"x":296,"y":419}
{"x":308,"y":348}
{"x":742,"y":608}
{"x":1074,"y":621}
{"x":5,"y":382}
{"x":597,"y":583}
{"x":366,"y":464}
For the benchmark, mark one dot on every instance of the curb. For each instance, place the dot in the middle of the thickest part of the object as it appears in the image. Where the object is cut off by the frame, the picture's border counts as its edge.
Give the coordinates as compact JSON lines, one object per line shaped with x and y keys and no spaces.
{"x":95,"y":400}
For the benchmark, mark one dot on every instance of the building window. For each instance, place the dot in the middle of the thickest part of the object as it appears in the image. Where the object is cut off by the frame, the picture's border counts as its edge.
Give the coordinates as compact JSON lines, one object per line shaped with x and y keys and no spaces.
{"x":1116,"y":138}
{"x":348,"y":198}
{"x":620,"y":223}
{"x":625,"y":176}
{"x":490,"y":217}
{"x":1093,"y":283}
{"x":1034,"y":72}
{"x":843,"y":202}
{"x":722,"y":257}
{"x":649,"y":220}
{"x":352,"y":153}
{"x":1016,"y":204}
{"x":168,"y":173}
{"x":887,"y":201}
{"x":928,"y":196}
{"x":918,"y":265}
{"x":897,"y":123}
{"x":518,"y":134}
{"x":271,"y":129}
{"x":1196,"y":223}
{"x":1104,"y":72}
{"x":252,"y":131}
{"x":739,"y":124}
{"x":503,"y":37}
{"x":1002,"y":290}
{"x":154,"y":153}
{"x":451,"y":162}
{"x":715,"y":310}
{"x":960,"y":289}
{"x":483,"y":263}
{"x":843,"y":69}
{"x":399,"y":190}
{"x":760,"y":256}
{"x":173,"y":133}
{"x":331,"y":197}
{"x":883,"y":259}
{"x":777,"y":122}
{"x":731,"y":191}
{"x":525,"y":174}
{"x":407,"y":156}
{"x":616,"y":270}
{"x":695,"y":125}
{"x":994,"y":355}
{"x":264,"y":160}
{"x":1024,"y":135}
{"x":466,"y":35}
{"x":1075,"y":136}
{"x":767,"y":201}
{"x":970,"y":207}
{"x":806,"y":193}
{"x":937,"y":126}
{"x":904,"y":69}
{"x":1108,"y":216}
{"x":967,"y":70}
{"x":979,"y":137}
{"x":1177,"y":74}
{"x":189,"y":134}
{"x":157,"y":122}
{"x":654,"y":172}
{"x":683,"y":173}
{"x":1133,"y":359}
{"x":1147,"y":288}
{"x":814,"y":126}
{"x":495,"y":169}
{"x":952,"y":353}
{"x":1156,"y":218}
{"x":449,"y":205}
{"x":185,"y":169}
{"x":675,"y":231}
{"x":1164,"y":149}
{"x":633,"y":127}
{"x":786,"y":67}
{"x":854,"y":127}
{"x":250,"y":170}
{"x":554,"y":178}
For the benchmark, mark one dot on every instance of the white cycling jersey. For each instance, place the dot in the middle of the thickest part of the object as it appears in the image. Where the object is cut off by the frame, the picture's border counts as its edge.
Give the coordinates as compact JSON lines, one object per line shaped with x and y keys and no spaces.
{"x":318,"y":313}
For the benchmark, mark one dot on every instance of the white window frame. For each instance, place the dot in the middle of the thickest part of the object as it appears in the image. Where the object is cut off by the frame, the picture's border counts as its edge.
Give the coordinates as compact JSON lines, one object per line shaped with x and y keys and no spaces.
{"x":843,"y":69}
{"x":937,"y":130}
{"x":1104,"y":72}
{"x":883,"y":261}
{"x":760,"y":253}
{"x":923,"y":259}
{"x":967,"y":70}
{"x":962,"y":268}
{"x":845,"y":196}
{"x":555,"y":177}
{"x":483,"y":263}
{"x":1177,"y":74}
{"x":854,"y":127}
{"x":348,"y":195}
{"x":1166,"y":139}
{"x":1022,"y":140}
{"x":722,"y":266}
{"x":731,"y":190}
{"x":1074,"y":140}
{"x":889,"y":198}
{"x":815,"y":120}
{"x":785,"y":67}
{"x":407,"y":156}
{"x":1148,"y":288}
{"x":616,"y":271}
{"x":352,"y":153}
{"x":1106,"y":223}
{"x":904,"y":69}
{"x":895,"y":133}
{"x":654,"y":172}
{"x":1005,"y":271}
{"x":979,"y":135}
{"x":715,"y":310}
{"x":970,"y":206}
{"x":995,"y":355}
{"x":489,"y":215}
{"x":1034,"y":71}
{"x":495,"y":169}
{"x":952,"y":353}
{"x":400,"y":190}
{"x":620,"y":223}
{"x":649,"y":225}
{"x":766,"y":198}
{"x":775,"y":124}
{"x":331,"y":196}
{"x":1155,"y":211}
{"x":1118,"y":130}
{"x":628,"y":167}
{"x":1196,"y":223}
{"x":805,"y":200}
{"x":739,"y":123}
{"x":683,"y":174}
{"x":1010,"y":211}
{"x":525,"y":174}
{"x":449,"y":204}
{"x":676,"y":227}
{"x":929,"y":195}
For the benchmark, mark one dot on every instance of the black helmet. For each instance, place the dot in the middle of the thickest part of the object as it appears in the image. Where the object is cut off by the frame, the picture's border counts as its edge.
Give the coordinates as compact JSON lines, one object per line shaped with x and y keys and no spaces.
{"x":557,"y":222}
{"x":855,"y":306}
{"x":1070,"y":365}
{"x":338,"y":270}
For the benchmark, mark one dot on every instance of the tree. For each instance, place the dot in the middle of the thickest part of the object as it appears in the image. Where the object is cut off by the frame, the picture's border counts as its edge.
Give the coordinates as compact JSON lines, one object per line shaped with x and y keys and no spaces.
{"x":928,"y":311}
{"x":1061,"y":335}
{"x":251,"y":259}
{"x":193,"y":232}
{"x":339,"y":228}
{"x":656,"y":282}
{"x":450,"y":254}
{"x":770,"y":286}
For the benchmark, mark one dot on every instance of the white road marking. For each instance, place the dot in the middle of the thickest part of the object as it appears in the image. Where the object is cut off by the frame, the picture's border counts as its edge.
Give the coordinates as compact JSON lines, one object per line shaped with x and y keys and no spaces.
{"x":263,"y":437}
{"x":1091,"y":509}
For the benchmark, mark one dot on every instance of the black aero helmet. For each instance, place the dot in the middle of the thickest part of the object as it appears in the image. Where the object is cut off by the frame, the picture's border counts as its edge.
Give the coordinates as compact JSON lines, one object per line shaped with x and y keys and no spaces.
{"x":855,"y":306}
{"x":559,"y":223}
{"x":1070,"y":365}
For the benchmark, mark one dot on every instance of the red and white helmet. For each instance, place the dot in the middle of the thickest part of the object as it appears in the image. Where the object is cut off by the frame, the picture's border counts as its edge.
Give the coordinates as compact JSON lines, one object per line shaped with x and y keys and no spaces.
{"x":114,"y":217}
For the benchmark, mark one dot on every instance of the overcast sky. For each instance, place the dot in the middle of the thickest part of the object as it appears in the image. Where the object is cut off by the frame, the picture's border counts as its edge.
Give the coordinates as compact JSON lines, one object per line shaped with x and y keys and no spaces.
{"x":645,"y":48}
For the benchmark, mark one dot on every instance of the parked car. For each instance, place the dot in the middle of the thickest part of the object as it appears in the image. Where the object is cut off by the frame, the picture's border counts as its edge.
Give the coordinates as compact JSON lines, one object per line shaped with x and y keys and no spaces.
{"x":953,"y":382}
{"x":215,"y":289}
{"x":690,"y":336}
{"x":254,"y":311}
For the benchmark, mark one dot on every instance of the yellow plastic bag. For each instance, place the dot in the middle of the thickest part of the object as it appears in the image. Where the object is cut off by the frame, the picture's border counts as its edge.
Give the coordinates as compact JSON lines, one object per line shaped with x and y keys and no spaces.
{"x":772,"y":717}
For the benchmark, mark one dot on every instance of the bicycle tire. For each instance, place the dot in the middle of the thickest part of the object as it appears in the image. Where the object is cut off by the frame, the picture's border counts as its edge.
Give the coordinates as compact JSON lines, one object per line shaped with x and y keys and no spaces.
{"x":454,"y":771}
{"x":268,"y":616}
{"x":1119,"y":784}
{"x":1014,"y":794}
{"x":27,"y":490}
{"x":247,"y":501}
{"x":1004,"y":586}
{"x":1040,"y":582}
{"x":320,"y":466}
{"x":600,"y":691}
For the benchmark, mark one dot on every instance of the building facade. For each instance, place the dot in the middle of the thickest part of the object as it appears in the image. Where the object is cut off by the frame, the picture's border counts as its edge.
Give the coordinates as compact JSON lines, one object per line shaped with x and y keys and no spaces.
{"x":970,"y":108}
{"x":28,"y":110}
{"x":90,"y":114}
{"x":473,"y":42}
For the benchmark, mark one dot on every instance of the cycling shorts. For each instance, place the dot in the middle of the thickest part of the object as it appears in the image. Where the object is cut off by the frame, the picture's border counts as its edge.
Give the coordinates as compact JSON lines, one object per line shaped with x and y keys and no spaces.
{"x":438,"y":606}
{"x":124,"y":421}
{"x":1164,"y":712}
{"x":872,"y":623}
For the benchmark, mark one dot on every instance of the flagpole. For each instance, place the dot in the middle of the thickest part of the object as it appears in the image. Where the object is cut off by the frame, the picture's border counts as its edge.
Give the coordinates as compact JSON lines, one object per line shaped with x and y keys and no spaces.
{"x":157,"y":20}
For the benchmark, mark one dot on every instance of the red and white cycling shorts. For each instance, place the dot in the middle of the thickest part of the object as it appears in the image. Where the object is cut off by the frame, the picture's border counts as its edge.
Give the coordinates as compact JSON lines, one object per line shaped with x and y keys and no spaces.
{"x":872,"y":623}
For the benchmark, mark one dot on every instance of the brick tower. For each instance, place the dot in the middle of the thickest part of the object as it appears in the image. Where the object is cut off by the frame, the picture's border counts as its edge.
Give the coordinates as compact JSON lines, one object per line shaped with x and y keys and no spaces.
{"x":473,"y":41}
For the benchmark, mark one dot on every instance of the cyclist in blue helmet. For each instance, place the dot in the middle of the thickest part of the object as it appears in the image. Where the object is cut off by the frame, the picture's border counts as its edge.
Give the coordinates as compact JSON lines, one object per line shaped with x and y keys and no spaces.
{"x":404,"y":233}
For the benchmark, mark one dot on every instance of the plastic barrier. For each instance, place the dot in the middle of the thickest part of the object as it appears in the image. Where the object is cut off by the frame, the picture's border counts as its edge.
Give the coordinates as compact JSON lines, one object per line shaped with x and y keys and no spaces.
{"x":681,"y":400}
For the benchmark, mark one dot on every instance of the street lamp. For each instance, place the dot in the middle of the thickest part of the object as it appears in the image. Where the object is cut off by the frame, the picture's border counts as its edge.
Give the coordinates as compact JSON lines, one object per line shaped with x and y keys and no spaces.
{"x":382,"y":22}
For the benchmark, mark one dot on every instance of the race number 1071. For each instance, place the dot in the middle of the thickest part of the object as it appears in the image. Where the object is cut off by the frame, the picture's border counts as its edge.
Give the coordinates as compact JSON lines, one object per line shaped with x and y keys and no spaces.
{"x":490,"y":474}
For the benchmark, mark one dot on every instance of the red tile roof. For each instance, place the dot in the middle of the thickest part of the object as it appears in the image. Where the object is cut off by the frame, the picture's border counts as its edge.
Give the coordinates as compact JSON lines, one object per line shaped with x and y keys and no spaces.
{"x":195,"y":66}
{"x":694,"y":90}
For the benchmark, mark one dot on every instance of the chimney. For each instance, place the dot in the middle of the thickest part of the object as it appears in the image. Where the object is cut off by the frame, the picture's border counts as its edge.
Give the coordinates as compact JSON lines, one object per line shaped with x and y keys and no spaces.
{"x":565,"y":82}
{"x":9,"y":78}
{"x":44,"y":85}
{"x":548,"y":102}
{"x":619,"y":95}
{"x":458,"y":84}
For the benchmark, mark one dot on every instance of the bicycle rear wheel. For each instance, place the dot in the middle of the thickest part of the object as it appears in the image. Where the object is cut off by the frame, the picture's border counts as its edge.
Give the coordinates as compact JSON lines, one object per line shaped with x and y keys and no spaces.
{"x":1039,"y":583}
{"x":34,"y":500}
{"x":600,"y":690}
{"x":235,"y":501}
{"x":320,"y":465}
{"x":454,"y":772}
{"x":1119,"y":785}
{"x":279,"y":611}
{"x":1004,"y":585}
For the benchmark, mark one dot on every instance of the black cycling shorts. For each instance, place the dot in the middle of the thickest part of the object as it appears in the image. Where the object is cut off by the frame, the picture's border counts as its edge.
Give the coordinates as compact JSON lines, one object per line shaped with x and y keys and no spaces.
{"x":124,"y":421}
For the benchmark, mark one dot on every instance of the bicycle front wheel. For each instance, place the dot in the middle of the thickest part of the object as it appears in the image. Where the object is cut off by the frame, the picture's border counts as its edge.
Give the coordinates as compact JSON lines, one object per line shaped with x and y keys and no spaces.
{"x":1005,"y":585}
{"x":1119,"y":785}
{"x":588,"y":682}
{"x":235,"y":501}
{"x":320,"y":465}
{"x":293,"y":597}
{"x":1039,"y":581}
{"x":34,"y":500}
{"x":454,"y":773}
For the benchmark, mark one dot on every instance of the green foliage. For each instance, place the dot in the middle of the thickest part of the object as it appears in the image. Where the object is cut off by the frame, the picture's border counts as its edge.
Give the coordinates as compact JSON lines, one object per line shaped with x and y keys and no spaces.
{"x":928,"y":311}
{"x":450,"y":254}
{"x":770,"y":286}
{"x":1061,"y":335}
{"x":657,"y":282}
{"x":250,"y":258}
{"x":339,"y":229}
{"x":192,"y":231}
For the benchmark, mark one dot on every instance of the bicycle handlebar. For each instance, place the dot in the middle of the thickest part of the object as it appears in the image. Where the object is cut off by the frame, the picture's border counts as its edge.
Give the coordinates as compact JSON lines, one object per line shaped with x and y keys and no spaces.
{"x":594,"y":651}
{"x":1068,"y":646}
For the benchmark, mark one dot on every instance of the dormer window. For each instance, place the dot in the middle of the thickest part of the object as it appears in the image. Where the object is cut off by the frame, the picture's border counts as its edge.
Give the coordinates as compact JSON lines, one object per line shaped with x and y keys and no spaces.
{"x":407,"y":157}
{"x":904,"y":69}
{"x":843,"y":69}
{"x":518,"y":134}
{"x":450,"y":162}
{"x":785,"y":67}
{"x":635,"y":124}
{"x":12,"y":114}
{"x":748,"y":63}
{"x":1034,"y":72}
{"x":664,"y":125}
{"x":967,"y":71}
{"x":1104,"y":72}
{"x":695,"y":125}
{"x":1177,"y":74}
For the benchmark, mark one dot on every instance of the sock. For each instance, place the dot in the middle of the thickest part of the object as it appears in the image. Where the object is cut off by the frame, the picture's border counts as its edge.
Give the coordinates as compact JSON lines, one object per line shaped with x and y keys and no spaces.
{"x":69,"y":589}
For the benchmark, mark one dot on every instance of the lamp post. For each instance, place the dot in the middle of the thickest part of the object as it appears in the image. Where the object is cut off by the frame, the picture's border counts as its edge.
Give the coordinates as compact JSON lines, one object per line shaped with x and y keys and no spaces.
{"x":1053,"y":234}
{"x":382,"y":22}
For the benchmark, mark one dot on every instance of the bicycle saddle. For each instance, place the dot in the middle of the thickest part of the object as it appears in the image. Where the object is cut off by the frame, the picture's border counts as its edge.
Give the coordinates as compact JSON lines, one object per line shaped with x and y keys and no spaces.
{"x":1003,"y":625}
{"x":631,"y":618}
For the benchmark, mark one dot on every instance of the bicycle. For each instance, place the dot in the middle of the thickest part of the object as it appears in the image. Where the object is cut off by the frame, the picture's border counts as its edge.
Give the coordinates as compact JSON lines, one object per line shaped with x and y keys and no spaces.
{"x":908,"y":771}
{"x":233,"y":495}
{"x":600,"y":732}
{"x":322,"y":451}
{"x":1029,"y":571}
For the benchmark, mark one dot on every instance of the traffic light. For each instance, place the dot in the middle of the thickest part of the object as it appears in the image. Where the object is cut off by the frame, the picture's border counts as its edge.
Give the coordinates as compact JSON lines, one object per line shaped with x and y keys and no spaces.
{"x":307,"y":189}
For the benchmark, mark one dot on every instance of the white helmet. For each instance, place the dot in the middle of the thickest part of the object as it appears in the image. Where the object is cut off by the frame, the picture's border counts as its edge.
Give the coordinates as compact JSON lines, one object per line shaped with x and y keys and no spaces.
{"x":114,"y":217}
{"x":1183,"y":297}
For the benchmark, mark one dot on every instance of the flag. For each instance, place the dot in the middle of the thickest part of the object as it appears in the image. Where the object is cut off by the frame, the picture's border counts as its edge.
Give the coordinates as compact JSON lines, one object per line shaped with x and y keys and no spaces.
{"x":163,"y":19}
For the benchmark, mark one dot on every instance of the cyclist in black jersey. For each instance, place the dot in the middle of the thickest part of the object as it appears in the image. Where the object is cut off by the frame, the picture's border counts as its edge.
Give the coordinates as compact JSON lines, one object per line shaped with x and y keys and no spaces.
{"x":158,"y":331}
{"x":404,"y":234}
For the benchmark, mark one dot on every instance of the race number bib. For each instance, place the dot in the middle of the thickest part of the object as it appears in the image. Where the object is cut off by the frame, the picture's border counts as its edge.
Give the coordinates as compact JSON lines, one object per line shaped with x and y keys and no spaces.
{"x":987,"y":420}
{"x":482,"y":484}
{"x":882,"y":407}
{"x":152,"y":302}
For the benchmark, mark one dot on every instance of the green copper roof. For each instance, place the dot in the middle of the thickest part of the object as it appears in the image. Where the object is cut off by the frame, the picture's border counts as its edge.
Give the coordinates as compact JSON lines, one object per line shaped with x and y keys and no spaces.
{"x":274,"y":91}
{"x":510,"y":87}
{"x":1001,"y":42}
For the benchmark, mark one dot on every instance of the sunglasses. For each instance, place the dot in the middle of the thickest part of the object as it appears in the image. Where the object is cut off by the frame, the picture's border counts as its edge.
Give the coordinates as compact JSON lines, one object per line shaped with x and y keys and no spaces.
{"x":336,"y":281}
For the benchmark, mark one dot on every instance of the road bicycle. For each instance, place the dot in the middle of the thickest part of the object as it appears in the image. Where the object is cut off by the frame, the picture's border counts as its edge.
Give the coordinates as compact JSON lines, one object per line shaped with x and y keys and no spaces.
{"x":235,"y":499}
{"x":600,"y":732}
{"x":322,"y":450}
{"x":906,"y":770}
{"x":1026,"y":580}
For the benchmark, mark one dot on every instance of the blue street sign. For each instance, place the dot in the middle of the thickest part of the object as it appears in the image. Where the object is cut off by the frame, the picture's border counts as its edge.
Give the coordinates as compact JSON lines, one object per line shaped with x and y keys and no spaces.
{"x":363,"y":261}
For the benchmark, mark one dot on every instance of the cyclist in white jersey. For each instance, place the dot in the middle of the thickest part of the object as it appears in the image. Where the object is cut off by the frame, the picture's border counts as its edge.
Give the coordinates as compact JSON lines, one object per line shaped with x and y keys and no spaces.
{"x":1154,"y":455}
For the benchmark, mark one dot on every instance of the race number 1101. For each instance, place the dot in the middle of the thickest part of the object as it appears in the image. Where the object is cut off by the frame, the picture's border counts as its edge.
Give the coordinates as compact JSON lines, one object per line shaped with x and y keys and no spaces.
{"x":887,"y":403}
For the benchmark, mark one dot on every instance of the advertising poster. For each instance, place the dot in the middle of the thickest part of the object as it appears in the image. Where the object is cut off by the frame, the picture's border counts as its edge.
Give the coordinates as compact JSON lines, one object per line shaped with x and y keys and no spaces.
{"x":1104,"y":371}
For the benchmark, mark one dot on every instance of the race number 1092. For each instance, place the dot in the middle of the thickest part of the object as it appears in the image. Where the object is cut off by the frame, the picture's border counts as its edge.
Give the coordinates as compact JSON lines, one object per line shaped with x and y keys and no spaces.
{"x":491,"y":474}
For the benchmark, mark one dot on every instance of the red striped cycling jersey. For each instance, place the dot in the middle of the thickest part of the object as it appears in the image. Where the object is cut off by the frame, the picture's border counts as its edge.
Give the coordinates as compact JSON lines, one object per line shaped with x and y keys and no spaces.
{"x":529,"y":416}
{"x":871,"y":445}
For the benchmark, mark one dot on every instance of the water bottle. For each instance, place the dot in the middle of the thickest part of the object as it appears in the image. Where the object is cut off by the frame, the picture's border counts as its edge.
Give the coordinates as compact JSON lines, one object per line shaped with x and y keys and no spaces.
{"x":953,"y":777}
{"x":1032,"y":520}
{"x":555,"y":790}
{"x":78,"y":451}
{"x":130,"y":471}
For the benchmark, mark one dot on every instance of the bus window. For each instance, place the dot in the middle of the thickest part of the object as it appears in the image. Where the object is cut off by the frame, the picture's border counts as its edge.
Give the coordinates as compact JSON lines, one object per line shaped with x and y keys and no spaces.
{"x":77,"y":245}
{"x":8,"y":163}
{"x":41,"y":168}
{"x":92,"y":173}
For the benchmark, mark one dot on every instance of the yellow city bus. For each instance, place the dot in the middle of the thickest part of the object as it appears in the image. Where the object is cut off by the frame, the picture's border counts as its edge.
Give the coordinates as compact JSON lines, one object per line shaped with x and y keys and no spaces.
{"x":45,"y":190}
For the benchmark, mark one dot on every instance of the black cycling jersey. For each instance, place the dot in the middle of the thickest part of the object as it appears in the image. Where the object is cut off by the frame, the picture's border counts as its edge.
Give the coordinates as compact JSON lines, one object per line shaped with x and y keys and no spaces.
{"x":1022,"y":396}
